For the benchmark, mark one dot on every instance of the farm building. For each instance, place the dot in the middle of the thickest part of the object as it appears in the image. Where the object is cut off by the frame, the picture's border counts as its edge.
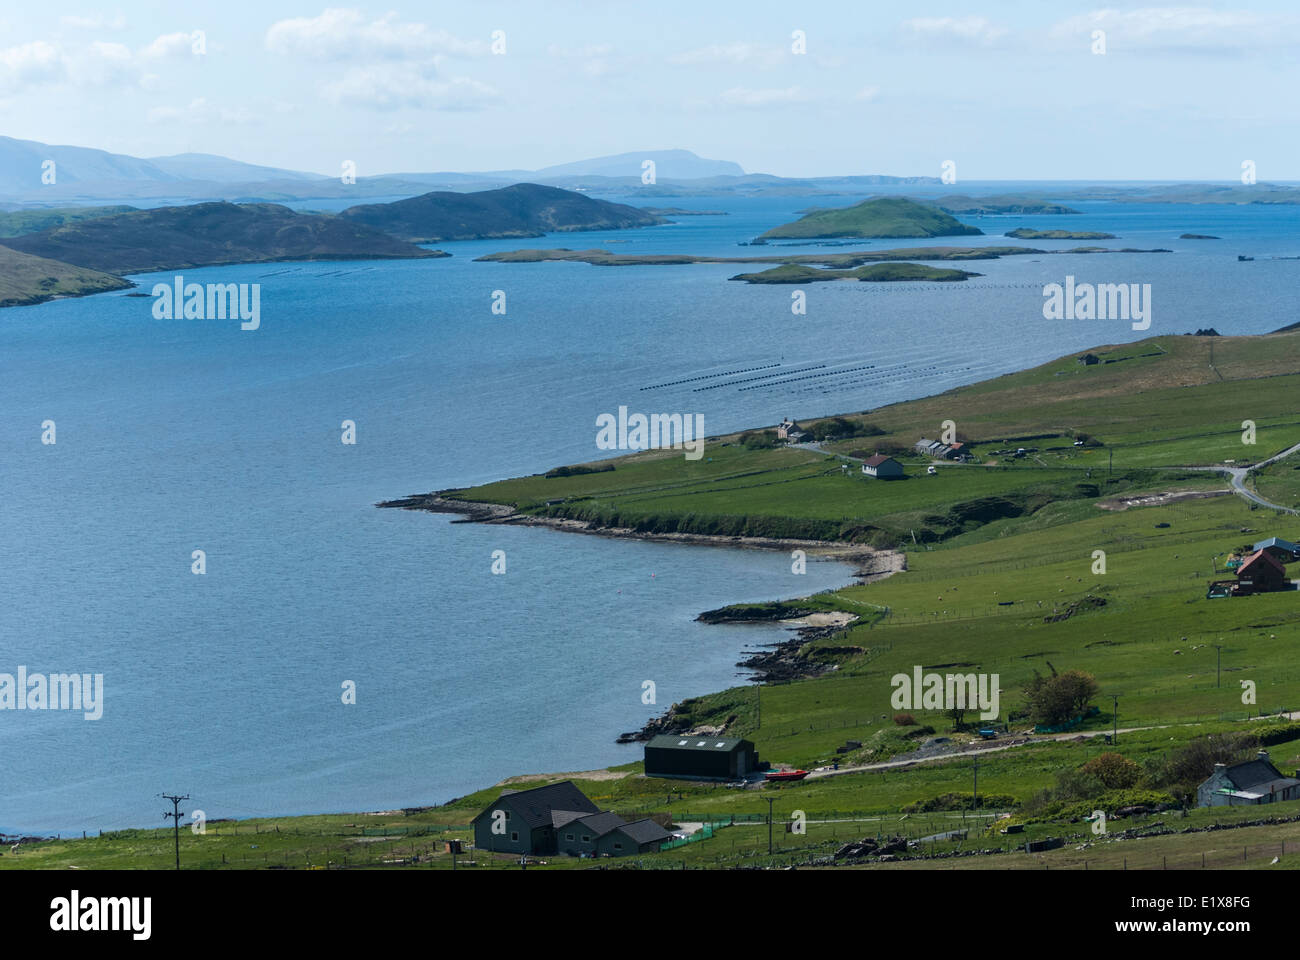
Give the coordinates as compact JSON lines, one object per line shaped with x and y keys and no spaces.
{"x":1089,"y":359}
{"x":1261,"y":573}
{"x":882,"y":466}
{"x":1283,"y":551}
{"x":608,"y":834}
{"x":944,"y":451}
{"x":559,"y":818}
{"x":700,"y":758}
{"x":1255,"y":781}
{"x":789,"y":430}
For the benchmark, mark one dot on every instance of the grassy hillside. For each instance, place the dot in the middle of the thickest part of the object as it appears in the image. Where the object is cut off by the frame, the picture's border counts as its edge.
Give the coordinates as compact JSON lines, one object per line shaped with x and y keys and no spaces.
{"x":207,"y":234}
{"x":881,"y":217}
{"x":521,"y":210}
{"x":15,"y":223}
{"x":25,"y":279}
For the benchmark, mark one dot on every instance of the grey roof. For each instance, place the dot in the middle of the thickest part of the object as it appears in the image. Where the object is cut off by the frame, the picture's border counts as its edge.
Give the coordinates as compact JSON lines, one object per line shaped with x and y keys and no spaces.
{"x":1254,"y":774}
{"x":1257,"y":790}
{"x":706,"y":744}
{"x":645,"y":831}
{"x":561,"y":817}
{"x":602,"y":823}
{"x":1277,"y":542}
{"x":535,"y":806}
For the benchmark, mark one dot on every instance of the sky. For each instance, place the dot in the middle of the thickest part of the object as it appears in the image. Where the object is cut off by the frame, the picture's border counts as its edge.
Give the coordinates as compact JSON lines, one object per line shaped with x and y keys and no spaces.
{"x":1003,"y":90}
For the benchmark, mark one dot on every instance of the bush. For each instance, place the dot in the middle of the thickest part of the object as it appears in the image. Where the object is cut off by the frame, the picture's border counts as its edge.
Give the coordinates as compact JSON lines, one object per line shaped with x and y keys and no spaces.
{"x":1114,"y":770}
{"x":960,"y":801}
{"x":904,"y":719}
{"x":758,"y":439}
{"x":577,"y":471}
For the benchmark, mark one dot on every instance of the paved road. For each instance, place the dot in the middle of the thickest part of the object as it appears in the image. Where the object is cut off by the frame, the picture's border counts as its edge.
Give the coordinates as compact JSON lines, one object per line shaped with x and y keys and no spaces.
{"x":1239,"y":475}
{"x":1014,"y":742}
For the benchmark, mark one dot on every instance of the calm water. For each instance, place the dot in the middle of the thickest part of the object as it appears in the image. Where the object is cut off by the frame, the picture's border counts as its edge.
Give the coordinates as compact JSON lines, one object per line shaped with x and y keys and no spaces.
{"x":183,"y":435}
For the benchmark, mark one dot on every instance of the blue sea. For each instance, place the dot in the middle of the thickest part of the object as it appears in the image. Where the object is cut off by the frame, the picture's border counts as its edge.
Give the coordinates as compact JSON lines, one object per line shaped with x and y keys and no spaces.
{"x":183,"y":435}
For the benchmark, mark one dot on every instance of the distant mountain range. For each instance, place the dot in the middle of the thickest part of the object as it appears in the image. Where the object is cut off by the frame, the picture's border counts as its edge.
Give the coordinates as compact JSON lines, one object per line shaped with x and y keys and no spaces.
{"x":86,"y":175}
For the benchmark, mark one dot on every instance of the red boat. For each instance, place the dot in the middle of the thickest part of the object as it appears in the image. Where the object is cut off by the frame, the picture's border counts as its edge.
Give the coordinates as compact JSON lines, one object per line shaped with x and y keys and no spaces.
{"x":783,"y":775}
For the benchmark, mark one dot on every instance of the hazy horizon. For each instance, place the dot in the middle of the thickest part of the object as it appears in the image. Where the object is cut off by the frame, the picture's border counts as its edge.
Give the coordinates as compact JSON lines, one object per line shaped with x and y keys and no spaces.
{"x":1179,"y":93}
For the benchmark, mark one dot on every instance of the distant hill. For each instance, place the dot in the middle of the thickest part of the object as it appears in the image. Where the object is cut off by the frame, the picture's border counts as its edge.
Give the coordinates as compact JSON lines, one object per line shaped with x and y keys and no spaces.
{"x":881,"y":217}
{"x":669,"y":164}
{"x":207,"y":234}
{"x":207,"y":166}
{"x":25,"y":279}
{"x":16,"y":223}
{"x":22,"y":165}
{"x":521,"y":210}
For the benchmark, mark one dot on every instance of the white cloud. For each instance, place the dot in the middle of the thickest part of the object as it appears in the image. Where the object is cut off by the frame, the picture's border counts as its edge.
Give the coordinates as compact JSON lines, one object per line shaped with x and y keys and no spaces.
{"x":867,"y":93}
{"x":1199,"y":28}
{"x":200,"y":111}
{"x":972,"y":29}
{"x":339,"y":33}
{"x":737,"y":52}
{"x":393,"y":86}
{"x":169,"y":45}
{"x":30,"y":63}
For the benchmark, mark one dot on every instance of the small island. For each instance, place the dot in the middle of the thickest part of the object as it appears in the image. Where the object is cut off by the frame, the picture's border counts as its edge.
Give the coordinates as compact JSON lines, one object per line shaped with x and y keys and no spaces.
{"x":872,"y":273}
{"x":1023,"y":233}
{"x":1197,"y":236}
{"x":881,"y":217}
{"x":679,"y":212}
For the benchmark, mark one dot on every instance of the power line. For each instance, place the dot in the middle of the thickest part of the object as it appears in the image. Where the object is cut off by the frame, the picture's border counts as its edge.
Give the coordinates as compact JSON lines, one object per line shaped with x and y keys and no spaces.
{"x":175,"y":816}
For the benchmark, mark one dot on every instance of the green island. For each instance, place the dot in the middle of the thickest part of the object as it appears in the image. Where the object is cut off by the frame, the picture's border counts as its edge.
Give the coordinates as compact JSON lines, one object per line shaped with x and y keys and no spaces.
{"x":985,"y":565}
{"x":872,"y":272}
{"x":1197,"y":236}
{"x":845,"y":261}
{"x":1024,"y":233}
{"x":1024,"y":204}
{"x":210,"y":234}
{"x":520,"y":210}
{"x":879,"y":217}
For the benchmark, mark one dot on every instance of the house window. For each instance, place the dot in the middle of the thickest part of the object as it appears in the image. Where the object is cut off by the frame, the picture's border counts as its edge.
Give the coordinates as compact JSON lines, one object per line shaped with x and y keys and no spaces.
{"x":586,"y":839}
{"x":568,"y":836}
{"x":514,"y":836}
{"x":618,"y":846}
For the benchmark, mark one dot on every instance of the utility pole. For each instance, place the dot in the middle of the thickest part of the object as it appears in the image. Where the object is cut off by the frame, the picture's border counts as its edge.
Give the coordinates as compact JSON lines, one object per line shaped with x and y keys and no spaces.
{"x":975,"y":796}
{"x":1218,"y":664}
{"x":770,"y":801}
{"x":1114,"y":736}
{"x":1110,"y":464}
{"x":175,"y":816}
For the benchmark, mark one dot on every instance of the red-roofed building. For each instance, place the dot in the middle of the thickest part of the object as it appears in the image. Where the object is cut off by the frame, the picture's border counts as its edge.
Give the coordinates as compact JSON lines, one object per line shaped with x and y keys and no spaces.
{"x":1261,"y":573}
{"x":882,"y":466}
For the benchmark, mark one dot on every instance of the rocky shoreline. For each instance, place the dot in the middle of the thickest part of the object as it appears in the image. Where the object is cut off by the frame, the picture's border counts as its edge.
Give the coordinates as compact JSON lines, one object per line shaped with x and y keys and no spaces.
{"x":870,"y":563}
{"x":780,"y":662}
